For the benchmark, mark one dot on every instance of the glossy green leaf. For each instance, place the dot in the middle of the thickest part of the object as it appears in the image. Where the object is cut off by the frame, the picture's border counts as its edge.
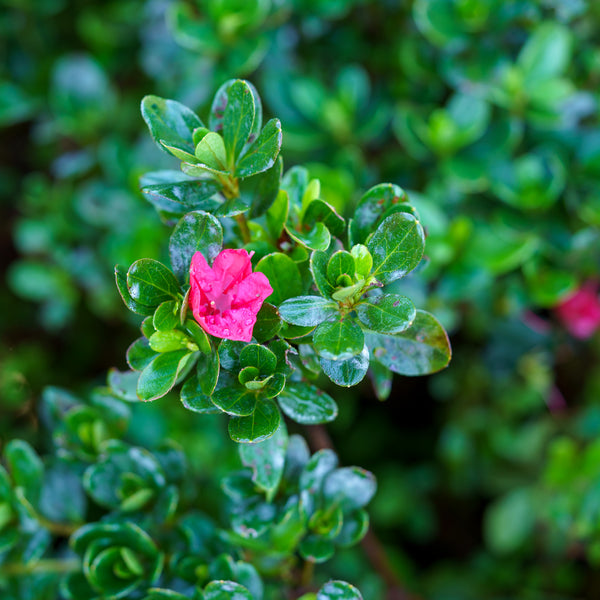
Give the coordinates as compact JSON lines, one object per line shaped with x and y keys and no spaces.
{"x":168,"y":341}
{"x":396,"y":246}
{"x":266,"y":459}
{"x":277,"y":215}
{"x":318,"y":268}
{"x":268,"y":323}
{"x":219,"y":107}
{"x":307,"y":404}
{"x":338,"y":590}
{"x":151,"y":283}
{"x":130,"y":303}
{"x":260,"y":191}
{"x":166,"y":316}
{"x":319,"y":211}
{"x":258,"y":356}
{"x":423,"y":348}
{"x":338,"y":340}
{"x":238,"y":118}
{"x":196,"y":232}
{"x":371,"y":207}
{"x":388,"y":313}
{"x":226,"y":590}
{"x":547,"y":52}
{"x":341,"y":269}
{"x":123,"y":384}
{"x":363,"y":260}
{"x":261,"y":155}
{"x":316,"y":549}
{"x":347,"y":372}
{"x":196,"y":391}
{"x":317,"y":238}
{"x":354,"y":529}
{"x":159,"y":377}
{"x":283,"y":275}
{"x":307,"y":310}
{"x":258,"y":426}
{"x":25,"y":466}
{"x":170,"y":122}
{"x":237,"y":400}
{"x":349,"y":487}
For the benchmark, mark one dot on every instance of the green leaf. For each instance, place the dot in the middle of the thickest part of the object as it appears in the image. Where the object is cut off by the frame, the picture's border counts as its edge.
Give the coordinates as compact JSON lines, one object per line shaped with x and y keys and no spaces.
{"x":180,"y":193}
{"x":547,"y":52}
{"x":166,"y":316}
{"x":319,"y":211}
{"x":237,"y":400}
{"x":422,"y":349}
{"x":339,"y":265}
{"x":263,"y":152}
{"x":211,"y":152}
{"x":238,"y":118}
{"x":371,"y":208}
{"x":396,"y":246}
{"x":260,"y":191}
{"x":318,"y":268}
{"x":159,"y":377}
{"x":151,"y":283}
{"x":388,"y":313}
{"x":197,"y":231}
{"x":268,"y":323}
{"x":255,"y":355}
{"x":347,"y":372}
{"x":283,"y":275}
{"x":277,"y":215}
{"x":266,"y":459}
{"x":170,"y":122}
{"x":509,"y":522}
{"x":199,"y":335}
{"x":307,"y":404}
{"x":338,"y":340}
{"x":197,"y":389}
{"x":338,"y":590}
{"x":363,"y":260}
{"x":130,"y":303}
{"x":168,"y":341}
{"x":226,"y":590}
{"x":318,"y":238}
{"x":307,"y":310}
{"x":349,"y":487}
{"x":219,"y":107}
{"x":139,"y":354}
{"x":25,"y":466}
{"x":258,"y":426}
{"x":354,"y":529}
{"x":382,"y":378}
{"x":123,"y":384}
{"x":316,"y":549}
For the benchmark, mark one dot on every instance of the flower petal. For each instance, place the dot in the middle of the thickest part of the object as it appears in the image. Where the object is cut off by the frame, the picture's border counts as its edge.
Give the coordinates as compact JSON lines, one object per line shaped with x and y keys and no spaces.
{"x":234,"y":324}
{"x":231,"y":266}
{"x":252,"y":292}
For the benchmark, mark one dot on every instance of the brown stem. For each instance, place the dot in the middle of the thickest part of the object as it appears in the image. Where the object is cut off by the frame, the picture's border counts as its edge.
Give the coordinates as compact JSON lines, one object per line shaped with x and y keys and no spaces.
{"x":243,"y":225}
{"x":319,"y":439}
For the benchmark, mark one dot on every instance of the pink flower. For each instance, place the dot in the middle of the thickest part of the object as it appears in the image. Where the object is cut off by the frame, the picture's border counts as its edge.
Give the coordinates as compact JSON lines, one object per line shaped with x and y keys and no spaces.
{"x":580,"y":312}
{"x":226,"y":298}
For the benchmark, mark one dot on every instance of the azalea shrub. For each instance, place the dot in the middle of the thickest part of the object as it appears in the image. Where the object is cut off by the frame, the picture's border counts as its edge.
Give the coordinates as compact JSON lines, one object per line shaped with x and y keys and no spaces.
{"x":479,"y":117}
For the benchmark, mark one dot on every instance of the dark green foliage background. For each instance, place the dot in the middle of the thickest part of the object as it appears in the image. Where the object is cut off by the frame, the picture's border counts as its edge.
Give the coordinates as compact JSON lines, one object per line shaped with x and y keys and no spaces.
{"x":485,"y":111}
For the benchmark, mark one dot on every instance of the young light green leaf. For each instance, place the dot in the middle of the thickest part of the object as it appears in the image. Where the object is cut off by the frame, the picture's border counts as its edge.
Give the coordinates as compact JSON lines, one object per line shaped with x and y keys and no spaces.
{"x":396,"y":247}
{"x":211,"y":151}
{"x":166,"y":316}
{"x":318,"y":238}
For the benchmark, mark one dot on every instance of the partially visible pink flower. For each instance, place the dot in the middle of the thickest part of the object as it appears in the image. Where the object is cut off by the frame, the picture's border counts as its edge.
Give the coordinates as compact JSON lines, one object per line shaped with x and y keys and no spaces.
{"x":580,"y":312}
{"x":226,"y":298}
